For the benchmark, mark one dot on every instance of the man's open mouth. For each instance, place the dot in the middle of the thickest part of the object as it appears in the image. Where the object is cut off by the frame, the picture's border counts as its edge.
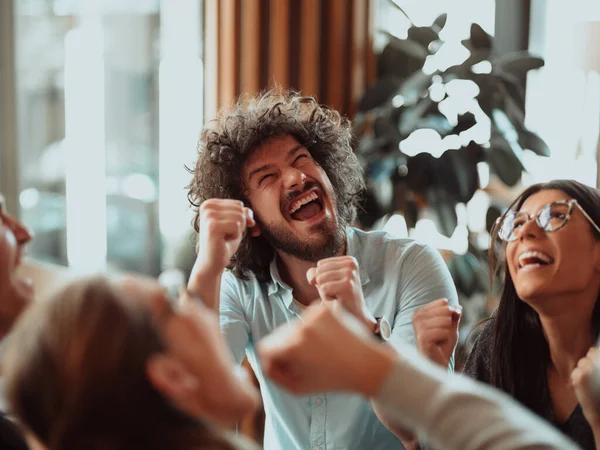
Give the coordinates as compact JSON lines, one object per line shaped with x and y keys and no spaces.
{"x":306,"y":205}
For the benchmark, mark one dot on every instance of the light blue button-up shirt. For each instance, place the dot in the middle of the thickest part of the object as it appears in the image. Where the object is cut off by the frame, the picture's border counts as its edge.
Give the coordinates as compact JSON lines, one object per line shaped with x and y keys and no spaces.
{"x":397,"y":276}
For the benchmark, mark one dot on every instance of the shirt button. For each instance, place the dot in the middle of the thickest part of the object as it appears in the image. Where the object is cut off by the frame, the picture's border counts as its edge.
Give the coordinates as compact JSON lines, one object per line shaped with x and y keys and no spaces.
{"x":318,"y":402}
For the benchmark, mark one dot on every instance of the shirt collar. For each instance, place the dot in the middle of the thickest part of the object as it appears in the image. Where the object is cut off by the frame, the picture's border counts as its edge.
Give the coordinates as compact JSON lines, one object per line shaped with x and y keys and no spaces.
{"x":352,"y":249}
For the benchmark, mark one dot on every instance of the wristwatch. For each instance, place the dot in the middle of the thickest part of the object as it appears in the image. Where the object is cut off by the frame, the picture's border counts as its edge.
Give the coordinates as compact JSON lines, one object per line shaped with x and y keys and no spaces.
{"x":382,"y":329}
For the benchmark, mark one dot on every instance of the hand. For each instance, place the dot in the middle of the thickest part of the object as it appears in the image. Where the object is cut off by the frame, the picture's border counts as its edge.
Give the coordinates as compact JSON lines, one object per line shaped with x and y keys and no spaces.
{"x":338,"y":279}
{"x":223,"y":223}
{"x":436,"y":330}
{"x":329,"y":350}
{"x":197,"y":371}
{"x":15,"y":293}
{"x":586,"y":383}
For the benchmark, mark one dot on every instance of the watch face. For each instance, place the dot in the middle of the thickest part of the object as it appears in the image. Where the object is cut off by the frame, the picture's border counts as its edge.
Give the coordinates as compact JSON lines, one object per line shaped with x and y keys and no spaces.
{"x":384,"y":328}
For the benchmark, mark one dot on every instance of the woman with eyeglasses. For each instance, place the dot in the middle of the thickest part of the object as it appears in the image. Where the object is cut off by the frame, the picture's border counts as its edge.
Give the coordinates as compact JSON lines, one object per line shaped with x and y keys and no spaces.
{"x":549,"y":315}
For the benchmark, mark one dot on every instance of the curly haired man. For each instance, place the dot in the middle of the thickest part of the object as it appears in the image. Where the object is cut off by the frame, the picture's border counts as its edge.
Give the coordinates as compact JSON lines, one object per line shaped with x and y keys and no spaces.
{"x":276,"y":186}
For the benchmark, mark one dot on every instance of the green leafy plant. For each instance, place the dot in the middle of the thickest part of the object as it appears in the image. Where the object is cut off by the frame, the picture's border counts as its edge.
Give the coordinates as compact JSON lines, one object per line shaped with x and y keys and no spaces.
{"x":423,"y":126}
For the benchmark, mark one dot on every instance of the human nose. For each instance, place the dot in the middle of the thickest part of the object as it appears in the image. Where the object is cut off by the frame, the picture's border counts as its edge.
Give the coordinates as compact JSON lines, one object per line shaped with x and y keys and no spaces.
{"x":293,"y":177}
{"x":530,"y":229}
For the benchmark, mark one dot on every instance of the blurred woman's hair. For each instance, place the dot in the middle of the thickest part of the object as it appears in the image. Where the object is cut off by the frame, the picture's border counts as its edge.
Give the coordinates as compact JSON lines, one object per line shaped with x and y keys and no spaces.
{"x":521,"y":355}
{"x":76,"y":375}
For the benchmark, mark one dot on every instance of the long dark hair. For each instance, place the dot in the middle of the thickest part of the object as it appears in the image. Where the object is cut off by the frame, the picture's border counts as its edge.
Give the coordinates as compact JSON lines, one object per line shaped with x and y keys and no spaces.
{"x":520,"y":355}
{"x":76,"y":375}
{"x":227,"y":141}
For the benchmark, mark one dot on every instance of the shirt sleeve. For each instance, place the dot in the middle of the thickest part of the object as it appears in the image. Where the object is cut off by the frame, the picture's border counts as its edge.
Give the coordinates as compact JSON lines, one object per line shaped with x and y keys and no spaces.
{"x":457,"y":413}
{"x":234,"y":324}
{"x":424,"y":278}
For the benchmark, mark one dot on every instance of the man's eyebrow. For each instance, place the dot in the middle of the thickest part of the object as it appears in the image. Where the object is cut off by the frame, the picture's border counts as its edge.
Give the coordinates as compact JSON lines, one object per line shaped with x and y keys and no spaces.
{"x":295,"y":150}
{"x":291,"y":153}
{"x":258,"y":170}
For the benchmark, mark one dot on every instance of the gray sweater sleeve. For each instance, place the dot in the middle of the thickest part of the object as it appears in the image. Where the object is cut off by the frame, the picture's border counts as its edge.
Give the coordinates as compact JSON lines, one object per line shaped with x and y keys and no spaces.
{"x":454,"y":412}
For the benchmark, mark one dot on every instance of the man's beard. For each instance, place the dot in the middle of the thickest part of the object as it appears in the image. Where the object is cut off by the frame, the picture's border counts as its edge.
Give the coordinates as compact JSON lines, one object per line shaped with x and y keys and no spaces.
{"x":333,"y":240}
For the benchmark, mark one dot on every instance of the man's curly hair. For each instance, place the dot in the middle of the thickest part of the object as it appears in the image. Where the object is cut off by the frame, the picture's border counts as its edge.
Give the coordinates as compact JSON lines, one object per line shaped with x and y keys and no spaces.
{"x":226,"y":142}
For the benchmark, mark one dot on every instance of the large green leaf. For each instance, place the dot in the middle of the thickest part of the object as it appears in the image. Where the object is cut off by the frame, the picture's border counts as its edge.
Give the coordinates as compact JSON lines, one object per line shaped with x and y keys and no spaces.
{"x":479,"y":39}
{"x":531,"y":141}
{"x":444,"y":211}
{"x":457,"y":175}
{"x":436,"y":121}
{"x":370,"y":210}
{"x":380,"y":93}
{"x":411,"y":117}
{"x":395,"y":62}
{"x":512,"y":85}
{"x":491,"y":215}
{"x":503,"y":161}
{"x":422,"y":35}
{"x":464,"y":273}
{"x":464,"y":69}
{"x":512,"y":110}
{"x":517,"y":62}
{"x":415,"y":87}
{"x":421,"y":173}
{"x":440,"y":22}
{"x":410,"y":47}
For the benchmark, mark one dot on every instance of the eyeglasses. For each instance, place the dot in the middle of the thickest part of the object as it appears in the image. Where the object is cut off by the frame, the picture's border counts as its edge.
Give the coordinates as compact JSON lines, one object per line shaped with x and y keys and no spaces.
{"x":550,"y":217}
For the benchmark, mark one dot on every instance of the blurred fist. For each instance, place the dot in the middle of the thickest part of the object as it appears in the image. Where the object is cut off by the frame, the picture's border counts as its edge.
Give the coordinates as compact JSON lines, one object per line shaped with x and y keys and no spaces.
{"x":15,"y":293}
{"x":223,"y":223}
{"x":585,"y":380}
{"x":436,"y":330}
{"x":329,"y":350}
{"x":197,"y":370}
{"x":338,"y":279}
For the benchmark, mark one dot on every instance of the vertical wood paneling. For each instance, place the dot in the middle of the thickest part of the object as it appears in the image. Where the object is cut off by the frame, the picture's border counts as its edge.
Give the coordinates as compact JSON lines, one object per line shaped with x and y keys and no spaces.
{"x":211,"y":60}
{"x":336,"y":65}
{"x":310,"y":36}
{"x":252,"y":44}
{"x":370,"y":59}
{"x":279,"y":42}
{"x":228,"y":52}
{"x":250,"y":47}
{"x":358,"y":48}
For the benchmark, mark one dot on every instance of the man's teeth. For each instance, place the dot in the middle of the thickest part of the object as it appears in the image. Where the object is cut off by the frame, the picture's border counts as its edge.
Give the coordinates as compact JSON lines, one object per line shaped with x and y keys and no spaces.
{"x":303,"y":201}
{"x":534,"y":258}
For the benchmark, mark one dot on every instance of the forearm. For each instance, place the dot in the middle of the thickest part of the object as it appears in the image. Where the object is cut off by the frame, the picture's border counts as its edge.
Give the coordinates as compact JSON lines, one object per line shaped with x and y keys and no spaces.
{"x":207,"y":286}
{"x":420,"y":396}
{"x":409,"y":440}
{"x":373,"y":363}
{"x":596,"y":431}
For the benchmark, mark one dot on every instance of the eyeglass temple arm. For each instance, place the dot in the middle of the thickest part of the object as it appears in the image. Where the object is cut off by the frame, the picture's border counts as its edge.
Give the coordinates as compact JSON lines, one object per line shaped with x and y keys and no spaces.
{"x":587,"y":216}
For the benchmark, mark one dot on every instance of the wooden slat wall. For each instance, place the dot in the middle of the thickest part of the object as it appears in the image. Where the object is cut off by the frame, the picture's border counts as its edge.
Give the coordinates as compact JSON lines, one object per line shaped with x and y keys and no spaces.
{"x":337,"y":73}
{"x":229,"y":54}
{"x":310,"y":30}
{"x":211,"y":60}
{"x":250,"y":46}
{"x":279,"y":25}
{"x":319,"y":47}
